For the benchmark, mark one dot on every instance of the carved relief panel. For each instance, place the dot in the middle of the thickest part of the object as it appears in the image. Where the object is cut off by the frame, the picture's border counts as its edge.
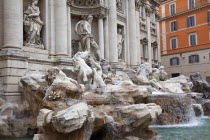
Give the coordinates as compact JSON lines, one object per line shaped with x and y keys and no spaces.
{"x":120,"y":6}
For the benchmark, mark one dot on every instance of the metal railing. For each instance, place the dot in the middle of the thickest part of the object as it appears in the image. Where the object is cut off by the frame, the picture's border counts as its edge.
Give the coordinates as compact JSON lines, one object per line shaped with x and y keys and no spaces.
{"x":182,"y":9}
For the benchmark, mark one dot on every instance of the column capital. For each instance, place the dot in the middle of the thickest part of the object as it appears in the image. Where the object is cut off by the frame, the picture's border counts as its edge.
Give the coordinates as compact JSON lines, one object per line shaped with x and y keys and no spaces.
{"x":100,"y":16}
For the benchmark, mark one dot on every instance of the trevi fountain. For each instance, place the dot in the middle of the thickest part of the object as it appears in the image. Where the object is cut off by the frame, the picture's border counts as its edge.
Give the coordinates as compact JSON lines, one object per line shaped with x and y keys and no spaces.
{"x":67,"y":73}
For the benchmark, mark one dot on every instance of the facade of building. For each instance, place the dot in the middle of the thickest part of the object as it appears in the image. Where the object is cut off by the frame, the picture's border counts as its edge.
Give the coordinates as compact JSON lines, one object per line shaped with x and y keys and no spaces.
{"x":36,"y":35}
{"x":185,"y":37}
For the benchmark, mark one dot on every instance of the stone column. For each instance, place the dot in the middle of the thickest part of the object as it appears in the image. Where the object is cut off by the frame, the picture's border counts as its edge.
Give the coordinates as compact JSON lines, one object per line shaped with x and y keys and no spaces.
{"x":106,"y":36}
{"x":148,"y":12}
{"x":113,"y":51}
{"x":13,"y":60}
{"x":132,"y":33}
{"x":61,"y":28}
{"x":158,"y":41}
{"x":138,"y":36}
{"x":13,"y":24}
{"x":69,"y":31}
{"x":101,"y":34}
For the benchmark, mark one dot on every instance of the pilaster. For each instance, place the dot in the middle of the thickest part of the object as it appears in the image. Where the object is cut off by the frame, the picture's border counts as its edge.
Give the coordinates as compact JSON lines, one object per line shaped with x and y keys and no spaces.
{"x":113,"y":51}
{"x":132,"y":33}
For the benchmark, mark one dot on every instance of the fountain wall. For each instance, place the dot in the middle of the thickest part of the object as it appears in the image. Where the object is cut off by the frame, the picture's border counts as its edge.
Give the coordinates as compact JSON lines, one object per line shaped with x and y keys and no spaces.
{"x":177,"y":108}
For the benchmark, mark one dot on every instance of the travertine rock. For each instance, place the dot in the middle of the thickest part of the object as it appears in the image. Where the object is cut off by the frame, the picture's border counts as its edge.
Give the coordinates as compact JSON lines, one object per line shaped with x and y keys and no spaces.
{"x":70,"y":119}
{"x":200,"y":85}
{"x":44,"y":117}
{"x":137,"y":115}
{"x":14,"y":122}
{"x":177,"y":108}
{"x":127,"y":92}
{"x":179,"y":84}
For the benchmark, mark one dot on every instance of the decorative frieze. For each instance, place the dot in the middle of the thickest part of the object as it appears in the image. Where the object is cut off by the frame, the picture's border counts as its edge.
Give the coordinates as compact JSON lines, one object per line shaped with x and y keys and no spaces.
{"x":89,"y":10}
{"x":119,"y":4}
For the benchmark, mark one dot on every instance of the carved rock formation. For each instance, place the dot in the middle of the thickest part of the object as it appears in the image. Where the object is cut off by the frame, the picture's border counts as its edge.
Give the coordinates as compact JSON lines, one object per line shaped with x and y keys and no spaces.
{"x":200,"y":85}
{"x":177,"y":108}
{"x":65,"y":109}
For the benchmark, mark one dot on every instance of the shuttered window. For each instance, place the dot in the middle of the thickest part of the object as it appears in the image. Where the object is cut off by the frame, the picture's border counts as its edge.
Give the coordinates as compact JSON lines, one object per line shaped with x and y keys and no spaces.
{"x":191,"y":4}
{"x":173,"y":26}
{"x":208,"y":16}
{"x":173,"y":43}
{"x":192,"y":39}
{"x":191,"y":21}
{"x":174,"y":61}
{"x":194,"y":59}
{"x":173,"y":10}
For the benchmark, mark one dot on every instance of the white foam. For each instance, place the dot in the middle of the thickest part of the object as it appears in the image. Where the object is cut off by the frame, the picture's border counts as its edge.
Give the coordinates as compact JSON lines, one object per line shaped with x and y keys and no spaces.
{"x":205,"y":117}
{"x":160,"y":93}
{"x":193,"y":123}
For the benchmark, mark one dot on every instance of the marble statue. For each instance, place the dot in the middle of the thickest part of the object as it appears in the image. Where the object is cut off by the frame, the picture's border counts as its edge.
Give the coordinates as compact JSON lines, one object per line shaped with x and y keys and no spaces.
{"x":97,"y":74}
{"x":83,"y":28}
{"x":120,"y":41}
{"x":163,"y":73}
{"x":84,"y":72}
{"x":33,"y":24}
{"x":159,"y":73}
{"x":143,"y":75}
{"x":88,"y":70}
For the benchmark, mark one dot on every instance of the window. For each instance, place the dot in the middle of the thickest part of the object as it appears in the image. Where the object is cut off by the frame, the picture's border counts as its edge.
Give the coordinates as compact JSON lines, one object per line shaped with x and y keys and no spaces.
{"x":191,"y":4}
{"x":144,"y":51}
{"x":173,"y":43}
{"x":173,"y":26}
{"x":194,"y":59}
{"x":191,"y":21}
{"x":174,"y":61}
{"x":155,"y":53}
{"x":173,"y":9}
{"x":192,"y":39}
{"x":208,"y":16}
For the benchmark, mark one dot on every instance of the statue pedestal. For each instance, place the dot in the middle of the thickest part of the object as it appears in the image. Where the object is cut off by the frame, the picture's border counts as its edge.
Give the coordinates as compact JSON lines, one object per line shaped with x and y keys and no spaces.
{"x":14,"y":65}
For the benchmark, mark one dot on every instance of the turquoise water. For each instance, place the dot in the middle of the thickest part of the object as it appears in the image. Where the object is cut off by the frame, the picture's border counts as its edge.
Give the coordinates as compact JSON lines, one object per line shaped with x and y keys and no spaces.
{"x":196,"y":130}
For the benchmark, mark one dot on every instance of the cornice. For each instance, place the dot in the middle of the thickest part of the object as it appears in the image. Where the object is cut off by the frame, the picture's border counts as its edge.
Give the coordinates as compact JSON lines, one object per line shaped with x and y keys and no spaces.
{"x":185,"y":12}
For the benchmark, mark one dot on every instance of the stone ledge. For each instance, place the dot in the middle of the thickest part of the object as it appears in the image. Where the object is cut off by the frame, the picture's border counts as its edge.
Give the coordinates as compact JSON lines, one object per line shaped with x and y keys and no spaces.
{"x":13,"y":53}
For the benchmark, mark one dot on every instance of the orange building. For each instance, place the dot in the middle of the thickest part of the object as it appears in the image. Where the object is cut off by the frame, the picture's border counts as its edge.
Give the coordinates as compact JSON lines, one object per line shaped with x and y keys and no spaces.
{"x":185,"y":37}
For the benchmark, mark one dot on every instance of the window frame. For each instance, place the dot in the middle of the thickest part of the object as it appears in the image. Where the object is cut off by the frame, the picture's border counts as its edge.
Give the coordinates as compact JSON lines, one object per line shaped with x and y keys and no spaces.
{"x":174,"y":8}
{"x":176,"y":26}
{"x":194,"y":20}
{"x":189,"y":4}
{"x":171,"y":42}
{"x":196,"y":39}
{"x":208,"y":16}
{"x":178,"y":63}
{"x":195,"y":59}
